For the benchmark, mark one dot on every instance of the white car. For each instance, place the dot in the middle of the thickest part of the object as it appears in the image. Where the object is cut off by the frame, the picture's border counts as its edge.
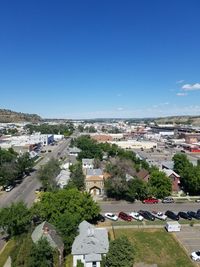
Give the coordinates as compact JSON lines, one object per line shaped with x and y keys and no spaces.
{"x":111,"y":216}
{"x":9,"y":188}
{"x":159,"y":215}
{"x":136,"y":216}
{"x":195,"y":255}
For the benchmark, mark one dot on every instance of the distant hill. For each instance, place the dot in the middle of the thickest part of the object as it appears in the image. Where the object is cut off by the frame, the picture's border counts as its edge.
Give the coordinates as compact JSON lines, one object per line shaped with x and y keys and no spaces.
{"x":189,"y":120}
{"x":12,"y":116}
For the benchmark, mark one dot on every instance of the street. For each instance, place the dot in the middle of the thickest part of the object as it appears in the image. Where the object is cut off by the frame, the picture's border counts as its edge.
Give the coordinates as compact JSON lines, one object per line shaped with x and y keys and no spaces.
{"x":117,"y":206}
{"x":26,"y":190}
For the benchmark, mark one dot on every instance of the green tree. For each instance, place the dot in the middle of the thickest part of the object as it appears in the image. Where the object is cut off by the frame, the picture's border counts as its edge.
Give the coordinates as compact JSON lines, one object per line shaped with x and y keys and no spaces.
{"x":47,"y":174}
{"x":66,"y":209}
{"x":120,"y":252}
{"x":116,"y":187}
{"x":24,"y":164}
{"x":160,"y":184}
{"x":15,"y":219}
{"x":41,"y":254}
{"x":77,"y":178}
{"x":136,"y":189}
{"x":181,"y":164}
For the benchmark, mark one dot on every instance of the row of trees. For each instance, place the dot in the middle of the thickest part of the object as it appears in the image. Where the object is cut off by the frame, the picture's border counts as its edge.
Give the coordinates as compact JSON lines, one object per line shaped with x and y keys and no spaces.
{"x":119,"y":187}
{"x":190,"y":174}
{"x":65,"y":129}
{"x":91,"y":149}
{"x":13,"y":166}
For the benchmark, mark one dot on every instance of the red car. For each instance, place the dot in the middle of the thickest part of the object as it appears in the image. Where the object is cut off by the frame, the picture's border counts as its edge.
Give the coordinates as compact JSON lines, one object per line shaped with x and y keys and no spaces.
{"x":150,"y":201}
{"x":125,"y":217}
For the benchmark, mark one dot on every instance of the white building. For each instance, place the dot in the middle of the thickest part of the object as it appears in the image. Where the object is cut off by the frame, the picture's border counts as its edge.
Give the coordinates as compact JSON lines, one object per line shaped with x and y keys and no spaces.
{"x":90,"y":245}
{"x":134,"y":144}
{"x":63,"y":178}
{"x":88,"y":163}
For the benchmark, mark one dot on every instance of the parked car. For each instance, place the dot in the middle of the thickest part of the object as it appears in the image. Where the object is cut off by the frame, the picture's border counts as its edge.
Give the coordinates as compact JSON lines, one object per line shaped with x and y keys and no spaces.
{"x":184,"y":215}
{"x":125,"y":217}
{"x":159,"y":215}
{"x":194,"y":215}
{"x":135,"y":215}
{"x":150,"y":201}
{"x":168,"y":200}
{"x":195,"y":255}
{"x":147,"y":215}
{"x":170,"y":214}
{"x":111,"y":216}
{"x":197,"y":200}
{"x":9,"y":188}
{"x":198,"y":211}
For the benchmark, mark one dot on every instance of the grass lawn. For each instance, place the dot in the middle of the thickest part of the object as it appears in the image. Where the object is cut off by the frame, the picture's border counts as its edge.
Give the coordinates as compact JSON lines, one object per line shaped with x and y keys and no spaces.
{"x":69,"y":261}
{"x":156,"y":246}
{"x":6,"y":252}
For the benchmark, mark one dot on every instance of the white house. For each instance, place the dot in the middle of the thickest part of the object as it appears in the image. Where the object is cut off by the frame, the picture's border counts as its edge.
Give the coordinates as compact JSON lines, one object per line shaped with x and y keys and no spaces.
{"x":88,"y":163}
{"x":74,"y":151}
{"x":63,"y":178}
{"x":90,"y":245}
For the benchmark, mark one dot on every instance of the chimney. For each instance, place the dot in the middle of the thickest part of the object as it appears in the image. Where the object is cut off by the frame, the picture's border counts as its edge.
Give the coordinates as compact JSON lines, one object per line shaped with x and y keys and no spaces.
{"x":46,"y":230}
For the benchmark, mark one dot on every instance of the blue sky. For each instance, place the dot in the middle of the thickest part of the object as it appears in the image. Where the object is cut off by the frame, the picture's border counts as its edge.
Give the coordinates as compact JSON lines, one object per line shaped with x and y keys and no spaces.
{"x":100,"y":58}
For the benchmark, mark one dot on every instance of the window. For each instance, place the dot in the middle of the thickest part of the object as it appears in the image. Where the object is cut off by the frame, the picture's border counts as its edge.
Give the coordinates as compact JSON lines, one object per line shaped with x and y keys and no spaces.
{"x":94,"y":264}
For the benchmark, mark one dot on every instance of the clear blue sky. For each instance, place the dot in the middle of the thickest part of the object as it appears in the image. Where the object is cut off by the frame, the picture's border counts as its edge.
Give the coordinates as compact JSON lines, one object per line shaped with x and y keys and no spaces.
{"x":100,"y":58}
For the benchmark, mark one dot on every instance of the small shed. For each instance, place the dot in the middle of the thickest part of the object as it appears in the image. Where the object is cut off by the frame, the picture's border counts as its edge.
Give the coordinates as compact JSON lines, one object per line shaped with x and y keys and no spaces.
{"x":173,"y":226}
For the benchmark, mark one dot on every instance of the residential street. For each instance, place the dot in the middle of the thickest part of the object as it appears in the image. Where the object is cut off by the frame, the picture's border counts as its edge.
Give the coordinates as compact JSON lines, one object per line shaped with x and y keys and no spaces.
{"x":26,"y":190}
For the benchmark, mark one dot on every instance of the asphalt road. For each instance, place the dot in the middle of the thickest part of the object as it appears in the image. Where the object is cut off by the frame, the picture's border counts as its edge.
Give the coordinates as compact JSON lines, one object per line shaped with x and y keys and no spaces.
{"x":117,"y":206}
{"x":26,"y":190}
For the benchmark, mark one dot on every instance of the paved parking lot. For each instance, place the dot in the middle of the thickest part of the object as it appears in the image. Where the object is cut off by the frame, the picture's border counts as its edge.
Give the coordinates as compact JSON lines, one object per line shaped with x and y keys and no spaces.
{"x":189,"y":237}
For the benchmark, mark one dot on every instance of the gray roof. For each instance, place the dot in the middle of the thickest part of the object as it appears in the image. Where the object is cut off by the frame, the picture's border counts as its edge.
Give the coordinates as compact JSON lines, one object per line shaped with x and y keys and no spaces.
{"x":63,"y":178}
{"x":94,"y":172}
{"x":170,"y":164}
{"x":48,"y":231}
{"x":87,"y":161}
{"x":90,"y":241}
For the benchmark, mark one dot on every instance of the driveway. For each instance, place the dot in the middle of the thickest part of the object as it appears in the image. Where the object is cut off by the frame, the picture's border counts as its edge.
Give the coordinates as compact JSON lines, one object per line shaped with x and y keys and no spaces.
{"x":189,"y":238}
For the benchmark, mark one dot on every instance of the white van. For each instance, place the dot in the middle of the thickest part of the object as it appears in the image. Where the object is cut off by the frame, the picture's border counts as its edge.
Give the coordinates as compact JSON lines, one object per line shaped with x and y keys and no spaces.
{"x":173,"y":226}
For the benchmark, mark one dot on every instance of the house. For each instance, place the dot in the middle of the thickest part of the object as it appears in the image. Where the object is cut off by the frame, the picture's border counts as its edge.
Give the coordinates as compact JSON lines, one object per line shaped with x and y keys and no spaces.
{"x":88,"y":163}
{"x":175,"y":179}
{"x":90,"y":245}
{"x":48,"y":231}
{"x":143,"y":175}
{"x":94,"y":181}
{"x":63,"y":178}
{"x":74,"y":151}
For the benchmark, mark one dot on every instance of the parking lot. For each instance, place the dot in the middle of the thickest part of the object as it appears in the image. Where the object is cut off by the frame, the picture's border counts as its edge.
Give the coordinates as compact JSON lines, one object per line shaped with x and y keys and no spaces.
{"x":189,"y":237}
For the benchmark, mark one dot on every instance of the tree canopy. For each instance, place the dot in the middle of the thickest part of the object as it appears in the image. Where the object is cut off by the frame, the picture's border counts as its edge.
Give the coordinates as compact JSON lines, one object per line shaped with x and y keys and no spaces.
{"x":121,"y":252}
{"x":65,"y":209}
{"x":160,"y":184}
{"x":190,"y":174}
{"x":47,"y":174}
{"x":15,"y":220}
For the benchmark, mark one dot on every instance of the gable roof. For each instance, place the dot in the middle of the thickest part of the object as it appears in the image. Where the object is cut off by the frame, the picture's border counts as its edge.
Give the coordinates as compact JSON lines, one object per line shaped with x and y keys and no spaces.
{"x":48,"y":231}
{"x":94,"y":172}
{"x":91,"y":241}
{"x":169,"y":172}
{"x":88,"y":161}
{"x":142,"y":174}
